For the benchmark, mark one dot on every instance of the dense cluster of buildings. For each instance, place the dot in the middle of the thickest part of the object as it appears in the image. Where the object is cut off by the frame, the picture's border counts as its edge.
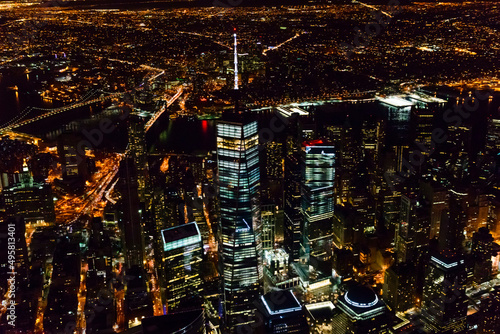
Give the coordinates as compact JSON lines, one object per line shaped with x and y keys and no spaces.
{"x":322,"y":217}
{"x":324,"y":228}
{"x":364,"y":211}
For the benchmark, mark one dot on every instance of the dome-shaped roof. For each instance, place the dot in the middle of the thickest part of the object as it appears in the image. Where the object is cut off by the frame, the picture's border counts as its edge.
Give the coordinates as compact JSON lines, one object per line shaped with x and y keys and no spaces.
{"x":361,"y":296}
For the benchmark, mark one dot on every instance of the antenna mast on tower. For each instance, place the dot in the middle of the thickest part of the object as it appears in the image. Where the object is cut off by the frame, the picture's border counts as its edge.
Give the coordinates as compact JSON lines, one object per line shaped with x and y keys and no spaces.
{"x":235,"y":61}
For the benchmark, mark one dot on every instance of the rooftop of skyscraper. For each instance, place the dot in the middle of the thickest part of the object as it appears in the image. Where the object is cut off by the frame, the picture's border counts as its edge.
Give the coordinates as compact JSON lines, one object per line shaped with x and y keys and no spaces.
{"x":316,"y":142}
{"x":280,"y":302}
{"x":179,"y":236}
{"x":361,"y":302}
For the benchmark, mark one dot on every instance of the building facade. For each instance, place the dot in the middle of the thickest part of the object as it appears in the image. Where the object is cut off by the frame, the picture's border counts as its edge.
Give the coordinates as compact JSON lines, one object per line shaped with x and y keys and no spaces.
{"x":317,"y":202}
{"x":240,"y":226}
{"x":182,"y":256}
{"x":444,"y":301}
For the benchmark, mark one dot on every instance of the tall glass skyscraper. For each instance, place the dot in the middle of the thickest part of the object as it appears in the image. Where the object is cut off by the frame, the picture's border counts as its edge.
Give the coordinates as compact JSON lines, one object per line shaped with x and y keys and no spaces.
{"x":137,"y":147}
{"x":444,"y":306}
{"x":239,"y":181}
{"x":292,"y":206}
{"x":318,"y":175}
{"x":182,"y":255}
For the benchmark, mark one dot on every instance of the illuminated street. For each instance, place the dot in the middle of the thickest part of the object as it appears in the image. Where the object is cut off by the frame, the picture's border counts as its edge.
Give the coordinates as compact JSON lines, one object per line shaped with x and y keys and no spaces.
{"x":71,"y":207}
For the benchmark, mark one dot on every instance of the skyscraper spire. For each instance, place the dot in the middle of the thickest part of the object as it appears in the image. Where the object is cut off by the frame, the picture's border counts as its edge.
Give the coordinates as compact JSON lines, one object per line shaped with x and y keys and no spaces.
{"x":235,"y":61}
{"x":25,"y":166}
{"x":26,"y":177}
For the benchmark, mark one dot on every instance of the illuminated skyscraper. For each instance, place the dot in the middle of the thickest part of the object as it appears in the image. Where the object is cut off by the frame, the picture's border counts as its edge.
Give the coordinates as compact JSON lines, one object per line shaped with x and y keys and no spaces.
{"x":71,"y":151}
{"x":453,"y":222}
{"x":493,"y":135}
{"x":400,"y":287}
{"x":437,"y":197}
{"x":461,"y":137}
{"x":482,"y":251}
{"x":361,"y":312}
{"x":268,"y":216}
{"x":130,"y":214}
{"x":274,"y":160}
{"x":372,"y":136}
{"x":137,"y":147}
{"x":422,"y":125}
{"x":182,"y":256}
{"x":349,"y":155}
{"x":29,"y":199}
{"x":239,"y":181}
{"x":412,"y":232}
{"x":490,"y":312}
{"x":294,"y":119}
{"x":398,"y":116}
{"x":318,"y":174}
{"x":281,"y":312}
{"x":444,"y":301}
{"x":62,"y":300}
{"x":292,"y":203}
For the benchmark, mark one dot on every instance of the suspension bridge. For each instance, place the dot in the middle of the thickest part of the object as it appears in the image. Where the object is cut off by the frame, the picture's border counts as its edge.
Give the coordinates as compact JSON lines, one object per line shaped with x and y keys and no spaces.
{"x":21,"y":119}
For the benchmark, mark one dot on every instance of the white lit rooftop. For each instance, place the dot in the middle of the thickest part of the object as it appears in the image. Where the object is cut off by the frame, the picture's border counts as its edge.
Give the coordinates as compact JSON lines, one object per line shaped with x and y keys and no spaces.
{"x":289,"y":111}
{"x":395,"y":101}
{"x":419,"y":96}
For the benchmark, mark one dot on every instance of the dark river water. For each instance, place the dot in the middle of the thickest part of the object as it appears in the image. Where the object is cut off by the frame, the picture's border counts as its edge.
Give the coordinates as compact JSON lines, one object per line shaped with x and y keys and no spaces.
{"x":12,"y":100}
{"x":187,"y":135}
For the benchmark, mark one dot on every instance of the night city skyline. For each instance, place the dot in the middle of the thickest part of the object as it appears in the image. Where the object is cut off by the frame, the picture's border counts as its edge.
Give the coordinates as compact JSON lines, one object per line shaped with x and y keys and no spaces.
{"x":234,"y":167}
